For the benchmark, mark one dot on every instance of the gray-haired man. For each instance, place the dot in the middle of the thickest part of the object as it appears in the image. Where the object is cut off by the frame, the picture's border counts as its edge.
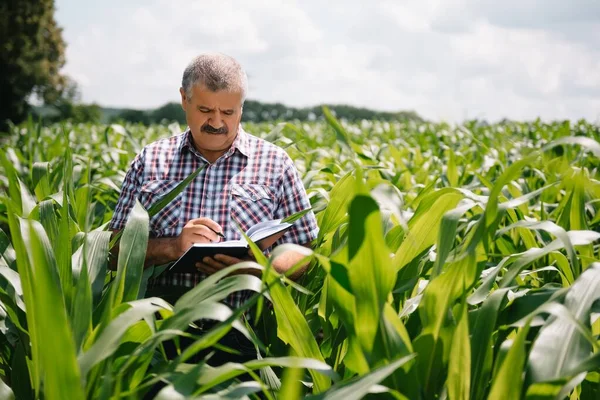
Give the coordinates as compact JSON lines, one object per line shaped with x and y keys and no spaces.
{"x":245,"y":180}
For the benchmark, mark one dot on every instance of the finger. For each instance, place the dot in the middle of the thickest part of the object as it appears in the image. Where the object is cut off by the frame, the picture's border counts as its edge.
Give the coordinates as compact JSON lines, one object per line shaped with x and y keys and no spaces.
{"x":205,"y":237}
{"x":207,"y":222}
{"x":207,"y":269}
{"x":213,"y":263}
{"x":227,"y":260}
{"x":204,"y":231}
{"x":207,"y":232}
{"x":193,"y":239}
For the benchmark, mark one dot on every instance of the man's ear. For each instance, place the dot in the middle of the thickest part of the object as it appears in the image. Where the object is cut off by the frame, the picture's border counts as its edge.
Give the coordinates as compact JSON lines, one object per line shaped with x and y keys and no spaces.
{"x":183,"y":98}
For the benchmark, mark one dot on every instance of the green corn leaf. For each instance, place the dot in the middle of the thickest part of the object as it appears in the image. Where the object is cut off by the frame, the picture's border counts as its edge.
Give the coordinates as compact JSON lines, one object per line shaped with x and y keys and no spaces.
{"x":575,"y":237}
{"x":293,"y":329}
{"x":209,"y":310}
{"x":438,"y":296}
{"x":508,"y":382}
{"x":213,"y":376}
{"x":553,"y":390}
{"x":452,"y":170}
{"x":108,"y":341}
{"x":81,"y":309}
{"x":6,"y":393}
{"x":41,"y":179}
{"x":447,"y":235}
{"x":424,"y":226}
{"x":7,"y":251}
{"x":210,"y":288}
{"x":459,"y":368}
{"x":132,"y":255}
{"x":370,"y":269}
{"x":64,"y":250}
{"x":48,"y":218}
{"x":20,"y":239}
{"x":291,"y":387}
{"x":296,"y":216}
{"x":358,"y":387}
{"x":28,"y":202}
{"x":481,"y":341}
{"x":168,"y":198}
{"x":393,"y":341}
{"x":21,"y":374}
{"x":560,"y":347}
{"x":336,"y":211}
{"x":164,"y":200}
{"x":554,"y":229}
{"x":341,"y":134}
{"x":96,"y":255}
{"x":61,"y":372}
{"x":585,"y":142}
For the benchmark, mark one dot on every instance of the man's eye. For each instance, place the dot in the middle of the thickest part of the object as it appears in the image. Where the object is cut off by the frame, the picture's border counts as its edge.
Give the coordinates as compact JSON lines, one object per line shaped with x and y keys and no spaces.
{"x":228,"y":113}
{"x":204,"y":110}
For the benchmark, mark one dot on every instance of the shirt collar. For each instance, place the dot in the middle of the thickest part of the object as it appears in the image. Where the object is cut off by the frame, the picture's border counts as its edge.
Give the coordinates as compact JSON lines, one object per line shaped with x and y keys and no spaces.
{"x":241,"y":143}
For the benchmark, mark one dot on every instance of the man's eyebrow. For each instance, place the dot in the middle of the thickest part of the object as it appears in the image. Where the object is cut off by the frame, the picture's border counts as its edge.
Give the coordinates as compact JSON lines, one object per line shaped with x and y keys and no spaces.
{"x":222,"y":110}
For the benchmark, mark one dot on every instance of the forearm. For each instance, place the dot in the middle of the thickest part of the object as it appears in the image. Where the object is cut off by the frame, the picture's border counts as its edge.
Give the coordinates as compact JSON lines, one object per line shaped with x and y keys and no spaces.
{"x":159,"y":251}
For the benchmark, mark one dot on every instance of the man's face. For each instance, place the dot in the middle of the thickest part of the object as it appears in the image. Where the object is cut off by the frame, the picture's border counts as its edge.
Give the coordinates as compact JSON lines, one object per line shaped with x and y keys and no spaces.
{"x":213,"y":117}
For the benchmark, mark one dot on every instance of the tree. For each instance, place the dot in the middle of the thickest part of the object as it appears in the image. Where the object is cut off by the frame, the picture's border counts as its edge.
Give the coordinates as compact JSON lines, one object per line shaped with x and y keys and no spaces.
{"x":31,"y":56}
{"x":169,"y":112}
{"x":132,"y":116}
{"x":69,"y":106}
{"x":76,"y":113}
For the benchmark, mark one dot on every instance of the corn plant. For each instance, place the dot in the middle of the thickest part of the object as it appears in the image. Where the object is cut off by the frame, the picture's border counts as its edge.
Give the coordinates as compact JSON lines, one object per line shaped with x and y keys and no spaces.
{"x":457,"y":262}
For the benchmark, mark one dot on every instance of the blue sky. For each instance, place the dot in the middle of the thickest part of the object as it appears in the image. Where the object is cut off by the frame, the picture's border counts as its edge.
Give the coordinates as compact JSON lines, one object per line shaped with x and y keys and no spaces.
{"x":445,"y":59}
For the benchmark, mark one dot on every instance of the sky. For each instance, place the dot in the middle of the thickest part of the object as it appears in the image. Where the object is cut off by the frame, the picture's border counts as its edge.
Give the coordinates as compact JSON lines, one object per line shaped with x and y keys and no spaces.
{"x":447,"y":60}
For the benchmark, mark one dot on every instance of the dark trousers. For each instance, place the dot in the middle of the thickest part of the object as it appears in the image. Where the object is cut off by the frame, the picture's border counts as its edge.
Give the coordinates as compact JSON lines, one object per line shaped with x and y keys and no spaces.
{"x":232,"y":340}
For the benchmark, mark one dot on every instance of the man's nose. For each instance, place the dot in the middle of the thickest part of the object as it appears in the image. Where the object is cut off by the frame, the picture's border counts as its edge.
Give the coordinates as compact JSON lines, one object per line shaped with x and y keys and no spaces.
{"x":216,"y":120}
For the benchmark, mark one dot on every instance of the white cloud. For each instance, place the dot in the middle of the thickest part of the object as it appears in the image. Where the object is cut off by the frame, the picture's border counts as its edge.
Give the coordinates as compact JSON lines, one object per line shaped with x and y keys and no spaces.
{"x":443,"y":59}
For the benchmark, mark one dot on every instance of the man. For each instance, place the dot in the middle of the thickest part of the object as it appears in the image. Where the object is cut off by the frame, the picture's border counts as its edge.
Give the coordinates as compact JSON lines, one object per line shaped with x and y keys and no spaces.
{"x":245,"y":180}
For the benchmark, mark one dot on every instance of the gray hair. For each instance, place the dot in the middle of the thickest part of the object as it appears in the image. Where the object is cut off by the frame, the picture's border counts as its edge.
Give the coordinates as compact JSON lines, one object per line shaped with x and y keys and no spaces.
{"x":217,"y":72}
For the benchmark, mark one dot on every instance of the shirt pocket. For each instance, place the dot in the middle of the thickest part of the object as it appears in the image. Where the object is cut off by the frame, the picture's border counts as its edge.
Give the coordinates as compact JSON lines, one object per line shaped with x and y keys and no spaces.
{"x":250,"y":204}
{"x":165,"y":221}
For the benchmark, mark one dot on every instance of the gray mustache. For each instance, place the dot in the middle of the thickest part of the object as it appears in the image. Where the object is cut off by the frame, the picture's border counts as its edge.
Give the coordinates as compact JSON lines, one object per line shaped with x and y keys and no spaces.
{"x":211,"y":129}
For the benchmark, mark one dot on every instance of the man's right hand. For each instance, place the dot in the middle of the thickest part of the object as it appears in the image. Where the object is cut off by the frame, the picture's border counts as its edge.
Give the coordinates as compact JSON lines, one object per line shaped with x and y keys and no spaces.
{"x":199,"y":230}
{"x":167,"y":249}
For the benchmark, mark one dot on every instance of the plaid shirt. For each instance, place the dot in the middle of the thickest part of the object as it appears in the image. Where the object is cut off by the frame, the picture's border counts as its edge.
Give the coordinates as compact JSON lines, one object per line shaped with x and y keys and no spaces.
{"x":252,"y":182}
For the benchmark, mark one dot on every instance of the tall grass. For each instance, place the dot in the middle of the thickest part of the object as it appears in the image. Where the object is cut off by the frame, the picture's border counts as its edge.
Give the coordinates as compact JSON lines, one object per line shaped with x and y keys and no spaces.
{"x":457,"y":262}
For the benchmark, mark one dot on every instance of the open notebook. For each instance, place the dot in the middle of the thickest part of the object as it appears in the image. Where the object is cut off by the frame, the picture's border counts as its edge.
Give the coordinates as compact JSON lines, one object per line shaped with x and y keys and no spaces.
{"x":264,"y":234}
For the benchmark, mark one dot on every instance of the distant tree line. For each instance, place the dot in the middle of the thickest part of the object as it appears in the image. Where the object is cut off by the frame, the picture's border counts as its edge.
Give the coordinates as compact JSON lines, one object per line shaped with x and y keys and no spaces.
{"x":256,"y":111}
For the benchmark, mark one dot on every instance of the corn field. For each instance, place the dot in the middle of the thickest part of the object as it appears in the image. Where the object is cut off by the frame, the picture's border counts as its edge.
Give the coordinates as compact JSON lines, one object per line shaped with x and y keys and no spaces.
{"x":453,"y":262}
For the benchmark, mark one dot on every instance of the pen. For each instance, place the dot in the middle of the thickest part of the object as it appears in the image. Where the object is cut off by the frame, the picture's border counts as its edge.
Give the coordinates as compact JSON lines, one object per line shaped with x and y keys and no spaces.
{"x":218,"y":233}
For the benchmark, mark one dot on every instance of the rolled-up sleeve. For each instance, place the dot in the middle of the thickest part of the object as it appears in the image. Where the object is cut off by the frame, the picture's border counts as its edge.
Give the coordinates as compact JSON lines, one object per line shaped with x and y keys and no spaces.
{"x":292,"y":199}
{"x":129,"y":192}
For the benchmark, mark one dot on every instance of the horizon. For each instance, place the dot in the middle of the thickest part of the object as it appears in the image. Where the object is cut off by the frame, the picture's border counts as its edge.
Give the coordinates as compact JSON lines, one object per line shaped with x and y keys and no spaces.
{"x":446,"y":62}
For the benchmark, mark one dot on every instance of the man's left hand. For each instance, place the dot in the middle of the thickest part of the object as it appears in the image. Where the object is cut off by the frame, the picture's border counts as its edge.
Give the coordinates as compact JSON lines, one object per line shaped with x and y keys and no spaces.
{"x":210,"y":265}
